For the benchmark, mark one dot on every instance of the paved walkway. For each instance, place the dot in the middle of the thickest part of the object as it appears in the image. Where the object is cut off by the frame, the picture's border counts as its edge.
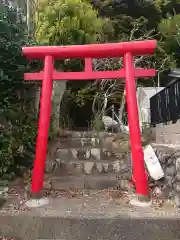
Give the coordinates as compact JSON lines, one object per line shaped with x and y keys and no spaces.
{"x":95,"y":216}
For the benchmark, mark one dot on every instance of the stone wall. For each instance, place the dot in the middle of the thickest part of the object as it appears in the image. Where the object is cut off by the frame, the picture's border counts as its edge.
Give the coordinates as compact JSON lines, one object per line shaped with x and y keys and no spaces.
{"x":170,"y":161}
{"x":168,"y":133}
{"x":98,"y":157}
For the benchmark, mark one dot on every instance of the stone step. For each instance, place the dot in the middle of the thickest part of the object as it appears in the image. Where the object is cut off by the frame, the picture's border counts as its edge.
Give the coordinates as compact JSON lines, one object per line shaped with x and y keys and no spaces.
{"x":94,"y":217}
{"x":81,"y":134}
{"x":88,"y":134}
{"x":86,"y":154}
{"x":92,"y":134}
{"x":79,"y":167}
{"x":82,"y":143}
{"x":79,"y":143}
{"x":173,"y":138}
{"x":97,"y":182}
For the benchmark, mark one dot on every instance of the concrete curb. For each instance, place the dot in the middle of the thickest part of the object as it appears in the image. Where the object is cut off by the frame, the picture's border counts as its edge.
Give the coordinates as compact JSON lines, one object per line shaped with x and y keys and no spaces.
{"x":33,"y":202}
{"x":94,"y":216}
{"x":34,"y":227}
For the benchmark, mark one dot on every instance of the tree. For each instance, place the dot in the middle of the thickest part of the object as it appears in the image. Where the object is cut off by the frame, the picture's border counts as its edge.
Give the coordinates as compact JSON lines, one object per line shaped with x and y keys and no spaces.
{"x":133,"y":9}
{"x":130,"y":25}
{"x":27,"y":10}
{"x":167,"y":7}
{"x":66,"y":22}
{"x":170,"y":33}
{"x":17,"y":118}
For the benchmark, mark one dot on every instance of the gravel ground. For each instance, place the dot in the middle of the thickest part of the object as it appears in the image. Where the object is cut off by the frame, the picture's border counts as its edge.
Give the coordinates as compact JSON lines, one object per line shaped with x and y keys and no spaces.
{"x":6,"y":238}
{"x":109,"y":203}
{"x":17,"y":196}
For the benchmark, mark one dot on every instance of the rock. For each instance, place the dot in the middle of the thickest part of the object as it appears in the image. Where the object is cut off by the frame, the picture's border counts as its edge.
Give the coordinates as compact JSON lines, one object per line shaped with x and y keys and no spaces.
{"x":165,"y":155}
{"x":63,"y":154}
{"x":176,"y":186}
{"x":96,"y":153}
{"x":3,"y":190}
{"x":116,"y":167}
{"x":88,"y":154}
{"x":162,"y":157}
{"x":177,"y":154}
{"x":126,"y":174}
{"x":170,"y":171}
{"x":59,"y":168}
{"x":124,"y":184}
{"x":106,"y":153}
{"x":81,"y":154}
{"x":157,"y":197}
{"x":177,"y":177}
{"x":157,"y":192}
{"x":105,"y":166}
{"x":50,"y":165}
{"x":167,"y":191}
{"x":74,"y":153}
{"x":88,"y":167}
{"x":47,"y":184}
{"x":78,"y":167}
{"x":99,"y":167}
{"x":94,"y":141}
{"x":171,"y":160}
{"x":111,"y":168}
{"x":178,"y":165}
{"x":177,"y":200}
{"x":2,"y":201}
{"x":83,"y":142}
{"x":169,"y":180}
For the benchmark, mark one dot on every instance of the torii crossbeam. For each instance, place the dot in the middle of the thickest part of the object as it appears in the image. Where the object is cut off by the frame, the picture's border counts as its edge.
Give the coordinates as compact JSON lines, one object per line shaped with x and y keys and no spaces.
{"x":127,"y":50}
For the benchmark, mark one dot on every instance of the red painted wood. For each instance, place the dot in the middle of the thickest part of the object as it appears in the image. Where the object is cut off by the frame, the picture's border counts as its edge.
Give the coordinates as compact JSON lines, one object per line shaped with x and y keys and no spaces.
{"x":139,"y":171}
{"x":90,"y":75}
{"x":91,"y":51}
{"x":43,"y":129}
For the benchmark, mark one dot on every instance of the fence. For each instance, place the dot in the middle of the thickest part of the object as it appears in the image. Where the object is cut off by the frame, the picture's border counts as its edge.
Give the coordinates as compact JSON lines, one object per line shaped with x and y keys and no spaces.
{"x":165,"y":105}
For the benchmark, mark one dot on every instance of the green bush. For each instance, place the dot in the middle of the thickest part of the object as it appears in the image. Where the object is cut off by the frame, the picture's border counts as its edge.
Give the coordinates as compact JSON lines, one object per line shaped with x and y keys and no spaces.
{"x":17,"y":115}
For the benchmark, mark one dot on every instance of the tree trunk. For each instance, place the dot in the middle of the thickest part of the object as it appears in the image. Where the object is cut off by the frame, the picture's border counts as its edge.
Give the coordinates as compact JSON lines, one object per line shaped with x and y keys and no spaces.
{"x":122,"y":105}
{"x":59,"y":88}
{"x":30,"y":21}
{"x":37,"y":97}
{"x":28,"y":16}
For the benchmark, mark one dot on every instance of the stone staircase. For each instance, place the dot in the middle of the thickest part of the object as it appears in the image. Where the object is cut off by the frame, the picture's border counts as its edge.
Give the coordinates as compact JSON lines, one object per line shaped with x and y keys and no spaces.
{"x":88,"y":160}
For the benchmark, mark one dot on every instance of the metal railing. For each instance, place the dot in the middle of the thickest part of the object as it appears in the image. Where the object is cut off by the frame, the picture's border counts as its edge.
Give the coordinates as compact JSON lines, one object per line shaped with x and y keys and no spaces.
{"x":165,"y":105}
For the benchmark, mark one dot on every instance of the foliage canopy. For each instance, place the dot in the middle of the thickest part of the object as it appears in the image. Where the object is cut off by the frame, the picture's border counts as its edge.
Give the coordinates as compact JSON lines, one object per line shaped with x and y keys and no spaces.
{"x":17,"y":118}
{"x":67,"y":22}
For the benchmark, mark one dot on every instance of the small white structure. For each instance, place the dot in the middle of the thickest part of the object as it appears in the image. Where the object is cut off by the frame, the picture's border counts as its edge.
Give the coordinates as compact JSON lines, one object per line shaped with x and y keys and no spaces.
{"x":143,"y":98}
{"x":153,"y":165}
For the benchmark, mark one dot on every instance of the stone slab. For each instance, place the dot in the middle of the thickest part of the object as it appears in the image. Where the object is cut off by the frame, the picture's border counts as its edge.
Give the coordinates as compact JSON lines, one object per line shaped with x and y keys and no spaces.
{"x":84,"y":154}
{"x":94,"y":217}
{"x":79,"y":167}
{"x":79,"y":143}
{"x":98,"y":182}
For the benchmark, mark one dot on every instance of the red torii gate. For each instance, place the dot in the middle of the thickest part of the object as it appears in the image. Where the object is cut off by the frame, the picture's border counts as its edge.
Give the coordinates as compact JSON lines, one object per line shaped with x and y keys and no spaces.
{"x":87,"y":52}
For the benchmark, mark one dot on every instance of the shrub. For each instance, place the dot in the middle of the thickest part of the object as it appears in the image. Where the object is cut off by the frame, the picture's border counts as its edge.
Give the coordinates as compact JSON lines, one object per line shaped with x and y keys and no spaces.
{"x":17,"y":115}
